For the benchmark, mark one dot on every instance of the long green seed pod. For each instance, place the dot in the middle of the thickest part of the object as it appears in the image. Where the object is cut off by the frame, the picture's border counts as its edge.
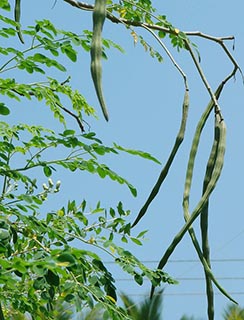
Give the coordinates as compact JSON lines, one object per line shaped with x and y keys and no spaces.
{"x":204,"y":222}
{"x":204,"y":253}
{"x":203,"y":256}
{"x":194,"y":147}
{"x":197,"y":211}
{"x":210,"y":187}
{"x":17,"y":13}
{"x":99,"y":15}
{"x":164,"y":172}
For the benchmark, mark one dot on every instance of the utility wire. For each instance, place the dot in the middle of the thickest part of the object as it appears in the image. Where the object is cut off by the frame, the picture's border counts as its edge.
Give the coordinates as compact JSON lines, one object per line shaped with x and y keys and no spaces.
{"x":186,"y":260}
{"x":184,"y":294}
{"x":186,"y":279}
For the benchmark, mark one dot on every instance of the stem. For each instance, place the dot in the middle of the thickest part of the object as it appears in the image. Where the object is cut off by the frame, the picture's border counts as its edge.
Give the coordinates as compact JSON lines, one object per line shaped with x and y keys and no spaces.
{"x":168,"y":54}
{"x":204,"y":79}
{"x":35,"y":155}
{"x":27,"y":50}
{"x":90,"y":243}
{"x":5,"y":177}
{"x":40,"y":164}
{"x":179,"y":137}
{"x":165,"y":169}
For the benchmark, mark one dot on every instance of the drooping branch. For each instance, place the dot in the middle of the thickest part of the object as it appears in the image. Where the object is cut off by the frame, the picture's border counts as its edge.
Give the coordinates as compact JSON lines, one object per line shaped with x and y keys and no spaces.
{"x":179,"y":137}
{"x":220,"y":40}
{"x":164,"y":172}
{"x":168,"y":54}
{"x":72,"y":114}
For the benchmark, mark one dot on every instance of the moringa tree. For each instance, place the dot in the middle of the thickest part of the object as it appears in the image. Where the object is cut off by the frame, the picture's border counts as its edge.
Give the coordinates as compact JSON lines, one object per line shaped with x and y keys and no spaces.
{"x":58,"y":255}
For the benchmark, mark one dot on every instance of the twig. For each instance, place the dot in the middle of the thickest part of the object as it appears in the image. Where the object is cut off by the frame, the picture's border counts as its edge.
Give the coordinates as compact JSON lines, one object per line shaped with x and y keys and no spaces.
{"x":40,"y":244}
{"x":209,"y":37}
{"x":168,"y":54}
{"x":78,"y":120}
{"x":204,"y":79}
{"x":220,"y":40}
{"x":178,"y":141}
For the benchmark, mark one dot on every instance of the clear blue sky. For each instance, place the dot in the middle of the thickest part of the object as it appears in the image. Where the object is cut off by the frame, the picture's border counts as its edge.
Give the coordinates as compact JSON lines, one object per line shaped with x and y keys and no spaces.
{"x":144,"y":100}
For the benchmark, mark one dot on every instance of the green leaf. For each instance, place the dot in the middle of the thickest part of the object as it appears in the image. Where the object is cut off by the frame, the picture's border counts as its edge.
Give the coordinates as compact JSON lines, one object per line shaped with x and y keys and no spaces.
{"x":21,"y":207}
{"x":4,"y":234}
{"x":68,"y":132}
{"x":52,"y":278}
{"x":5,"y":5}
{"x":66,"y":258}
{"x":139,"y":153}
{"x":124,"y":239}
{"x":71,"y":54}
{"x":26,"y":198}
{"x":138,"y":279}
{"x":4,"y":110}
{"x":37,"y":200}
{"x":132,"y":189}
{"x":141,"y":234}
{"x":39,"y":283}
{"x":58,"y":66}
{"x":106,"y":315}
{"x":136,"y":241}
{"x":161,"y":34}
{"x":47,"y":171}
{"x":112,"y":212}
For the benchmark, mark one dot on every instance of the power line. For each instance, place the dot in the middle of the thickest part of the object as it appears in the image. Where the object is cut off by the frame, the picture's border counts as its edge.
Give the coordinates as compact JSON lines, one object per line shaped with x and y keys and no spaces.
{"x":184,"y":294}
{"x":187,"y":279}
{"x":186,"y":260}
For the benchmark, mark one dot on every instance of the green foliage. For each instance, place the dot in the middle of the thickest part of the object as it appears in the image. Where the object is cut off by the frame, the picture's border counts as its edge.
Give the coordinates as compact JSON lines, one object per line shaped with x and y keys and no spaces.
{"x":55,"y":257}
{"x":139,"y":12}
{"x":233,"y":312}
{"x":51,"y":257}
{"x":148,"y":309}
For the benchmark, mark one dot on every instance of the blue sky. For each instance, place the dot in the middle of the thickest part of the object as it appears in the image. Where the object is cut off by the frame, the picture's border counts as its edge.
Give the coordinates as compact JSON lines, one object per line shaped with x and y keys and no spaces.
{"x":144,"y":100}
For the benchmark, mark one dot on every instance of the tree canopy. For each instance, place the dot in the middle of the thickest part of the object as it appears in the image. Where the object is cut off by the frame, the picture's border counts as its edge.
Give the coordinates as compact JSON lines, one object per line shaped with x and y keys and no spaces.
{"x":50,"y":255}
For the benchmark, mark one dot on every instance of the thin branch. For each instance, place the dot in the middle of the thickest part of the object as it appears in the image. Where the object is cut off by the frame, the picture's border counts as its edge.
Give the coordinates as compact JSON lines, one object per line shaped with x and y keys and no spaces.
{"x":204,"y":79}
{"x":220,"y":40}
{"x":5,"y":177}
{"x":165,"y":169}
{"x":168,"y":54}
{"x":142,"y":9}
{"x":92,"y":243}
{"x":76,"y":117}
{"x":209,"y":37}
{"x":41,"y":245}
{"x":178,"y":141}
{"x":36,"y":155}
{"x":80,"y":5}
{"x":78,"y":120}
{"x":89,"y":7}
{"x":51,"y":162}
{"x":114,"y":19}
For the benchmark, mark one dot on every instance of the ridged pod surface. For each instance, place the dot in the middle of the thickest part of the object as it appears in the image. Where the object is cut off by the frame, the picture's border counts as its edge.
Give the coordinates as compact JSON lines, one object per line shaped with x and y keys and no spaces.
{"x":17,"y":19}
{"x":99,"y":15}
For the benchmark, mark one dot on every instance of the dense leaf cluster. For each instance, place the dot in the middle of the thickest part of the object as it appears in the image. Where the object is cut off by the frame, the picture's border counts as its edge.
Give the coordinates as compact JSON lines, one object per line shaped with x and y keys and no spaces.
{"x":55,"y":256}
